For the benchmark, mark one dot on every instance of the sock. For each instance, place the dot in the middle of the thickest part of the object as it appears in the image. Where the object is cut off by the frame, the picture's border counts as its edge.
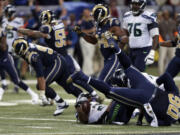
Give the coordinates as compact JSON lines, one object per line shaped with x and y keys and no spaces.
{"x":4,"y":82}
{"x":58,"y":99}
{"x":30,"y":92}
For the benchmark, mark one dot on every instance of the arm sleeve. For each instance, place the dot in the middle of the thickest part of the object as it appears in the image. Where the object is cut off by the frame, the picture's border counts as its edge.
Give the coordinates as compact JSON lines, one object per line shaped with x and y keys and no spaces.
{"x":45,"y":29}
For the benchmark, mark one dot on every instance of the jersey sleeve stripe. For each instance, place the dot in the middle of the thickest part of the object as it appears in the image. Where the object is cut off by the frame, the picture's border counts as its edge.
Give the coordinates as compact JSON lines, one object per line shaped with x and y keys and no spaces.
{"x":148,"y":17}
{"x":152,"y":26}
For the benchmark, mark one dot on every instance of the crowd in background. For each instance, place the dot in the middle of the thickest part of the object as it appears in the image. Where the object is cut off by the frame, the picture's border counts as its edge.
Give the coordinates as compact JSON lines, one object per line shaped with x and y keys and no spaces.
{"x":88,"y":56}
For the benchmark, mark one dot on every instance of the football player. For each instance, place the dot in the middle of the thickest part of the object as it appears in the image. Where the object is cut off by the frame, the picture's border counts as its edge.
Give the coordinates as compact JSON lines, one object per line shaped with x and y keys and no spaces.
{"x":142,"y":28}
{"x":174,"y":65}
{"x":105,"y":26}
{"x":90,"y":112}
{"x":161,"y":107}
{"x":54,"y":34}
{"x":49,"y":67}
{"x":11,"y":19}
{"x":7,"y":64}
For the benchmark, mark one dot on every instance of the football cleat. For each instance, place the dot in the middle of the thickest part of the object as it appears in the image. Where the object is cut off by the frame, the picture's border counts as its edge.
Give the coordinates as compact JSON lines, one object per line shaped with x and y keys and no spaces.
{"x":1,"y":93}
{"x":60,"y":108}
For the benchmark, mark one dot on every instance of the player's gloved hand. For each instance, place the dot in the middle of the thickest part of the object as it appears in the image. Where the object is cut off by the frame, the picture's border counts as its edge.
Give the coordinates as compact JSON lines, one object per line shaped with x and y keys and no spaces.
{"x":150,"y":58}
{"x":43,"y":98}
{"x":107,"y":35}
{"x":77,"y":29}
{"x":8,"y":27}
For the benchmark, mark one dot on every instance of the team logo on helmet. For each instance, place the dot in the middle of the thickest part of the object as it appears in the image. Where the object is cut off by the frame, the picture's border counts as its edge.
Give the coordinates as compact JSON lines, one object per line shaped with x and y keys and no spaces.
{"x":20,"y":46}
{"x":137,"y":6}
{"x":100,"y":13}
{"x":47,"y":17}
{"x":9,"y":11}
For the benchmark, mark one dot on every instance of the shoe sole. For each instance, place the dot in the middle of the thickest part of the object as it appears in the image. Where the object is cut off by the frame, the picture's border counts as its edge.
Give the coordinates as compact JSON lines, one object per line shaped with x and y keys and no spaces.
{"x":62,"y":111}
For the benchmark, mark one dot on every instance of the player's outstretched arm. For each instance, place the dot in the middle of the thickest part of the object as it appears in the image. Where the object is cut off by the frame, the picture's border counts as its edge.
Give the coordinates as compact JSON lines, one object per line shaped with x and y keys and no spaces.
{"x":28,"y":32}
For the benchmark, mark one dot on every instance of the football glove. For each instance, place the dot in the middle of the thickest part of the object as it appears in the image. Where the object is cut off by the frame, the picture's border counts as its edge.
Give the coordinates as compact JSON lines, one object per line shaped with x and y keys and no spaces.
{"x":8,"y":27}
{"x":77,"y":29}
{"x":150,"y":58}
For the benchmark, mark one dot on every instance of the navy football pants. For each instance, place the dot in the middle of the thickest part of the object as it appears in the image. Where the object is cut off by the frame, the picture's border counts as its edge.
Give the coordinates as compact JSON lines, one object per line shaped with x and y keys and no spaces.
{"x":7,"y":64}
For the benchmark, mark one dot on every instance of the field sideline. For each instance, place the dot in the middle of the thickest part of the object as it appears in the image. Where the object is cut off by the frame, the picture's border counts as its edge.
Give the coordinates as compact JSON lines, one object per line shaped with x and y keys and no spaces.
{"x":19,"y":117}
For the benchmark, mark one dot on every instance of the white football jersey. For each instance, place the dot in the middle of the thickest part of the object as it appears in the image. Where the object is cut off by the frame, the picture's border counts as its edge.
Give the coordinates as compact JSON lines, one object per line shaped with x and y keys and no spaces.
{"x":138,"y":28}
{"x":11,"y":35}
{"x":96,"y":111}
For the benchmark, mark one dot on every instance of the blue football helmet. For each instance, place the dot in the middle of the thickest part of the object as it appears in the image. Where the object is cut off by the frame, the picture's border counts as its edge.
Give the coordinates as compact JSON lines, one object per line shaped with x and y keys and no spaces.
{"x":20,"y":46}
{"x":47,"y":17}
{"x":137,"y":6}
{"x":9,"y":11}
{"x":100,"y":13}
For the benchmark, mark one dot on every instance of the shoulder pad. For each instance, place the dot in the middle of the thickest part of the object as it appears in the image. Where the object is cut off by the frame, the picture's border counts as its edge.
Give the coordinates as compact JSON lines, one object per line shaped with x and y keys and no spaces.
{"x":150,"y":16}
{"x":114,"y":22}
{"x":46,"y":28}
{"x":127,"y":14}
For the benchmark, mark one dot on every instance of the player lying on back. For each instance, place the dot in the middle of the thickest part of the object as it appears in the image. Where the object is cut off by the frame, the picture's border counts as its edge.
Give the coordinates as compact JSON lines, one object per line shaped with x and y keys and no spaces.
{"x":161,"y":107}
{"x":90,"y":112}
{"x":49,"y":67}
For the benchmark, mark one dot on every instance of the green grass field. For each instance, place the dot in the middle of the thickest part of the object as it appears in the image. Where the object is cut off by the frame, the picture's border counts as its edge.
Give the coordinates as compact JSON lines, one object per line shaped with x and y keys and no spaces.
{"x":26,"y":119}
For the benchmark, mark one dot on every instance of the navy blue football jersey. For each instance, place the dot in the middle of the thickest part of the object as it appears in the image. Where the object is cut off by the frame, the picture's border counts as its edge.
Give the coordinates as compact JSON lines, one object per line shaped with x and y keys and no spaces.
{"x":40,"y":57}
{"x":57,"y":40}
{"x":105,"y":48}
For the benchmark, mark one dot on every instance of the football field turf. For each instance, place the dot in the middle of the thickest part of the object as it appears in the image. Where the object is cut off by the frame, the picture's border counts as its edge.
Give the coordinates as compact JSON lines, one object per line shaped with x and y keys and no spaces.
{"x":19,"y":117}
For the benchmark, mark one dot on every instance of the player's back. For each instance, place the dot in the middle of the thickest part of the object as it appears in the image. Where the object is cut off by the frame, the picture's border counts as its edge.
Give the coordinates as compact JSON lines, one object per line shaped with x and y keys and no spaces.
{"x":166,"y":106}
{"x":138,"y":28}
{"x":57,"y":39}
{"x":46,"y":55}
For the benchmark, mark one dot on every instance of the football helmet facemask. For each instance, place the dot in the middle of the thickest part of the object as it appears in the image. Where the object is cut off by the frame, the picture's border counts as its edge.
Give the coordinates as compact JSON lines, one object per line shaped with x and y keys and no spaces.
{"x":100,"y":13}
{"x":137,"y":6}
{"x":9,"y":11}
{"x":20,"y":46}
{"x":47,"y":17}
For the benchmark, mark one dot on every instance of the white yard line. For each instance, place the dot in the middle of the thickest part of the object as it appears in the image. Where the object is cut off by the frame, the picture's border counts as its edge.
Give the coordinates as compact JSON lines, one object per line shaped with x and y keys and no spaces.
{"x":39,"y":119}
